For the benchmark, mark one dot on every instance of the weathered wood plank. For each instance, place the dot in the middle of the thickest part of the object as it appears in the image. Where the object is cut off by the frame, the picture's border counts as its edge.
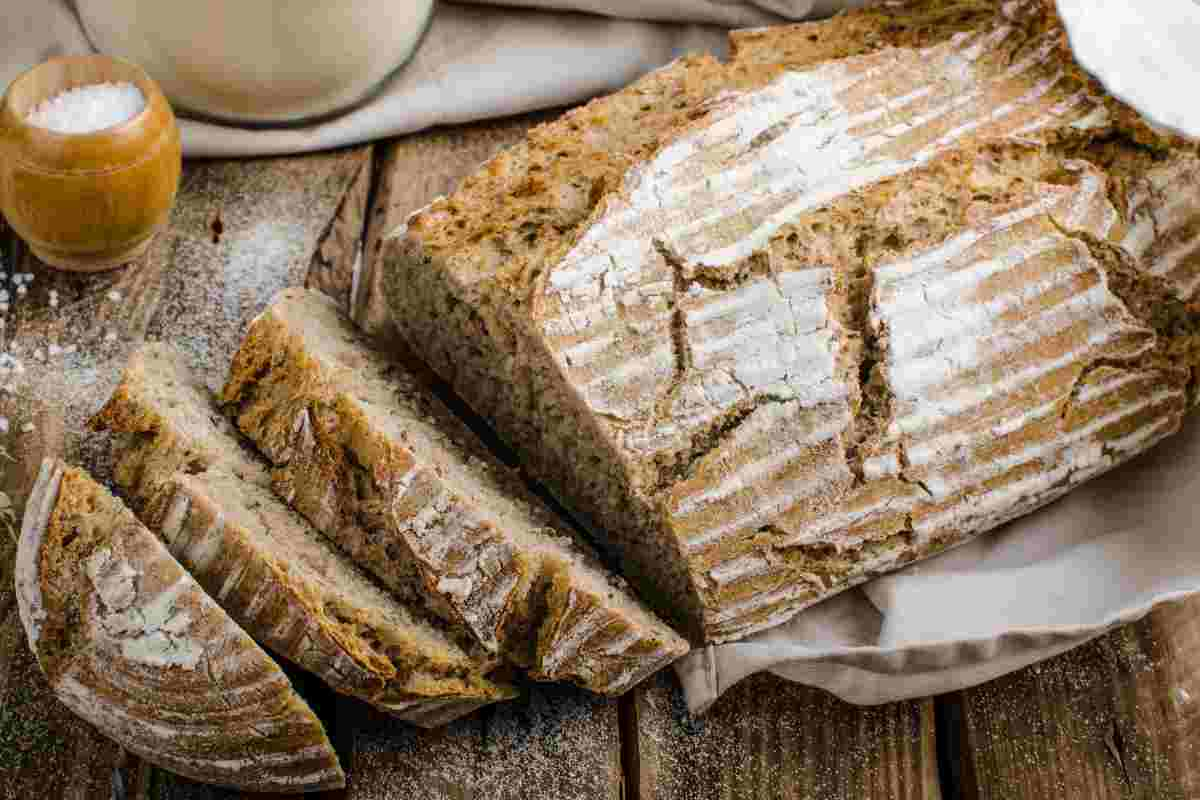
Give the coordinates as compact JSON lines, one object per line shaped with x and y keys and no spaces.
{"x":770,"y":739}
{"x":410,"y":172}
{"x":554,"y":742}
{"x":339,"y":253}
{"x":1116,"y":718}
{"x":1166,"y":700}
{"x":242,"y":231}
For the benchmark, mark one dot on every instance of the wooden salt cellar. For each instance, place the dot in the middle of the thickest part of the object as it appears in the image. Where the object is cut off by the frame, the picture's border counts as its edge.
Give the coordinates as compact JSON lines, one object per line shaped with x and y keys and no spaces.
{"x":90,"y":201}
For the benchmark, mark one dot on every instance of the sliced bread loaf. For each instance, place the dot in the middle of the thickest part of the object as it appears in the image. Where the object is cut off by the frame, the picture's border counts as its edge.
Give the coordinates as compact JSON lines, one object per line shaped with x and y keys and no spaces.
{"x":380,"y":465}
{"x":778,"y":325}
{"x":133,"y":645}
{"x":286,"y":584}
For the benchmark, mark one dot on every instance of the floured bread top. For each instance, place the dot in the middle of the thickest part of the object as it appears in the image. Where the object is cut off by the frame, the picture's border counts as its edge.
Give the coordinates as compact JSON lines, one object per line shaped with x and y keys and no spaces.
{"x":855,"y":310}
{"x":666,"y":312}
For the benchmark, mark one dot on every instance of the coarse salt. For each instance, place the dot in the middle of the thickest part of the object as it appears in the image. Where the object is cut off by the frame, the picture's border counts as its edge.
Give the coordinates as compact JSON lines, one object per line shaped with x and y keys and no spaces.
{"x":89,"y":108}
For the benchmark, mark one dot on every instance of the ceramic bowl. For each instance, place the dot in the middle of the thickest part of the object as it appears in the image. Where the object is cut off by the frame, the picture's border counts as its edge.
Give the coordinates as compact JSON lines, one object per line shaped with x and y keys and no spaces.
{"x":261,"y":62}
{"x":90,"y":201}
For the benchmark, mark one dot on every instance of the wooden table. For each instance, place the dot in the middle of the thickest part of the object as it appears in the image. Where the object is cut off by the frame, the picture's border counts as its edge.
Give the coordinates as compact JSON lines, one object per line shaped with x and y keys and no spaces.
{"x":1119,"y":718}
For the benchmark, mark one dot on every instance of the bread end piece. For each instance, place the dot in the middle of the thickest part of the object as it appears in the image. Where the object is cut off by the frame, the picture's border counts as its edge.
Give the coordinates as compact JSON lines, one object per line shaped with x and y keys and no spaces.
{"x":133,"y":645}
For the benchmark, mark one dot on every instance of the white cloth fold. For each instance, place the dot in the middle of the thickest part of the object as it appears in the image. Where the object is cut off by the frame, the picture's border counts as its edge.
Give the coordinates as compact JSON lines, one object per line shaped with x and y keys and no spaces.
{"x":1104,"y":555}
{"x":478,"y":62}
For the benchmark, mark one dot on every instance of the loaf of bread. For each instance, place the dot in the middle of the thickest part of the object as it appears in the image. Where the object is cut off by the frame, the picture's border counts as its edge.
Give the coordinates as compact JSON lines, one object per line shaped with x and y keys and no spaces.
{"x":771,"y":327}
{"x":377,"y":463}
{"x":133,"y":645}
{"x":289,"y":587}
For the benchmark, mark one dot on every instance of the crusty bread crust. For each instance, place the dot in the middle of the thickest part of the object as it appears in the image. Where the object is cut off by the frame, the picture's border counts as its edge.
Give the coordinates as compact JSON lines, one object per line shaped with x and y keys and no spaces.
{"x":377,"y":463}
{"x":210,"y":499}
{"x":872,"y":288}
{"x":133,"y":645}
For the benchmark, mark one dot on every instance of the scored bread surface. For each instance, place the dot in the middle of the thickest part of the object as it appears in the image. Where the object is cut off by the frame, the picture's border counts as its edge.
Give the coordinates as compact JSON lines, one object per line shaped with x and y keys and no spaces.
{"x":212,"y":503}
{"x":376,"y":462}
{"x":132,"y":644}
{"x":874,"y":287}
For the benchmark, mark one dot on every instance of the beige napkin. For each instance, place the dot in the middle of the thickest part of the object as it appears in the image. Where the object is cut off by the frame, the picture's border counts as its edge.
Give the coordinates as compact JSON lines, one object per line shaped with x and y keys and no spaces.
{"x":1104,"y":555}
{"x":476,"y":62}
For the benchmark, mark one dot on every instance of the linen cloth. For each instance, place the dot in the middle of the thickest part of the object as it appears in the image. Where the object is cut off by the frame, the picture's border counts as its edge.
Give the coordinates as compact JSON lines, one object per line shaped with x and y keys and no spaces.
{"x":1104,"y":555}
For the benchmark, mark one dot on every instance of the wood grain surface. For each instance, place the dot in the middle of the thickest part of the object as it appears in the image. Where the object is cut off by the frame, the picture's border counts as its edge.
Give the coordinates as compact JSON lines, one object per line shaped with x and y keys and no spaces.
{"x":776,"y":740}
{"x":340,"y":251}
{"x":1116,"y":718}
{"x":553,"y":742}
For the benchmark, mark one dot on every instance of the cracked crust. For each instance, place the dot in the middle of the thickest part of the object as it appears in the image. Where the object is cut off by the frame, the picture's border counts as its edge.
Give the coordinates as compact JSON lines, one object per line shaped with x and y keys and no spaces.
{"x":211,"y":501}
{"x":380,"y":466}
{"x":827,"y":309}
{"x":133,"y":645}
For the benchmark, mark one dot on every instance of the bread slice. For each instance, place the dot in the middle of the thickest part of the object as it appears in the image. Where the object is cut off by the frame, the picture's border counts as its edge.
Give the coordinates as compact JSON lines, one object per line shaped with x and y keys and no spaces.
{"x":380,"y":465}
{"x":133,"y":645}
{"x":775,"y":326}
{"x":286,"y":584}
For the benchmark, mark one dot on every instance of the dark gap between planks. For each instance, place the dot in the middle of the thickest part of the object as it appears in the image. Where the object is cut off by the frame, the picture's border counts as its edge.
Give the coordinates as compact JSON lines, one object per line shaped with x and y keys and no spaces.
{"x":955,"y":771}
{"x":629,"y":739}
{"x":375,"y":163}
